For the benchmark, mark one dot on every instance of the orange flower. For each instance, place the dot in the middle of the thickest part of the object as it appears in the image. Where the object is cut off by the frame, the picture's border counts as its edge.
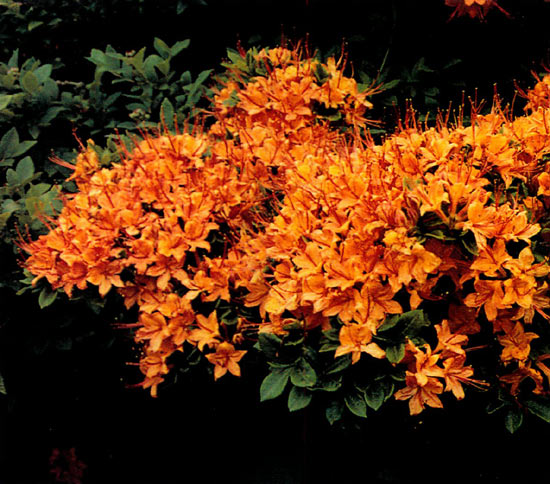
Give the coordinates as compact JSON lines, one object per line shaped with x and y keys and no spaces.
{"x":356,"y":339}
{"x":207,"y":333}
{"x":456,"y":374}
{"x":473,"y":8}
{"x":520,"y":374}
{"x":422,"y":385}
{"x":490,"y":295}
{"x":420,"y":393}
{"x":449,"y":344}
{"x":516,"y":343}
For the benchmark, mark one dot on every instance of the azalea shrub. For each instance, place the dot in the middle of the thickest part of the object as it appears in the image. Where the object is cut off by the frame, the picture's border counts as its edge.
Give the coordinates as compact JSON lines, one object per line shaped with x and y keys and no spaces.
{"x":276,"y":231}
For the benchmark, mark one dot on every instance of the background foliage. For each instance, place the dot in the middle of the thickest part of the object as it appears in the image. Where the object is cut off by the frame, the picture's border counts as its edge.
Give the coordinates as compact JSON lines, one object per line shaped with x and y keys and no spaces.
{"x":68,"y":68}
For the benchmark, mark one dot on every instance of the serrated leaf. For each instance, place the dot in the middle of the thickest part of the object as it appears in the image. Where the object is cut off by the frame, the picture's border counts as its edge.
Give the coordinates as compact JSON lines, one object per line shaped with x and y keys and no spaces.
{"x":298,"y":398}
{"x":356,"y":404}
{"x":274,"y":384}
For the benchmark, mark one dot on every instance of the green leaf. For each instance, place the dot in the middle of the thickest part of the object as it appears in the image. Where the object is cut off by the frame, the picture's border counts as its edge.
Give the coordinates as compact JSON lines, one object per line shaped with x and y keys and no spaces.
{"x":270,"y":344}
{"x":12,"y":178}
{"x":321,"y":75}
{"x":396,"y":353}
{"x":298,"y":398}
{"x":9,"y":143}
{"x":43,"y":73}
{"x":9,"y":206}
{"x":22,"y":148}
{"x":334,"y":411}
{"x":390,"y":84}
{"x":5,"y":100}
{"x":375,"y":395}
{"x":46,"y":297}
{"x":389,"y":323}
{"x":469,"y":243}
{"x":14,"y":59}
{"x":232,"y":100}
{"x":274,"y":384}
{"x":413,"y":321}
{"x":329,"y":384}
{"x":167,"y":113}
{"x":25,"y":169}
{"x":4,"y":217}
{"x":203,"y":76}
{"x":149,"y":67}
{"x":162,"y":48}
{"x":185,"y":78}
{"x":302,"y":374}
{"x":179,"y":46}
{"x":356,"y":404}
{"x":2,"y":386}
{"x":29,"y":82}
{"x":513,"y":419}
{"x":164,"y":66}
{"x":539,"y":406}
{"x":180,"y":8}
{"x":35,"y":23}
{"x":493,"y":407}
{"x":340,"y":364}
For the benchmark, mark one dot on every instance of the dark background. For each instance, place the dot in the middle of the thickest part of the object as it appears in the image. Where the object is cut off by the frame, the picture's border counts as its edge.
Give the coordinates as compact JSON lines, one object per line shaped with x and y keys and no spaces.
{"x":66,"y":374}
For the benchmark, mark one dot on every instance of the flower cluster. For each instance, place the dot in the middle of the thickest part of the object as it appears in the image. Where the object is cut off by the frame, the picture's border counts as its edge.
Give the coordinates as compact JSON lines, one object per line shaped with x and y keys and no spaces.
{"x":284,"y":214}
{"x":161,"y":226}
{"x":473,"y":8}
